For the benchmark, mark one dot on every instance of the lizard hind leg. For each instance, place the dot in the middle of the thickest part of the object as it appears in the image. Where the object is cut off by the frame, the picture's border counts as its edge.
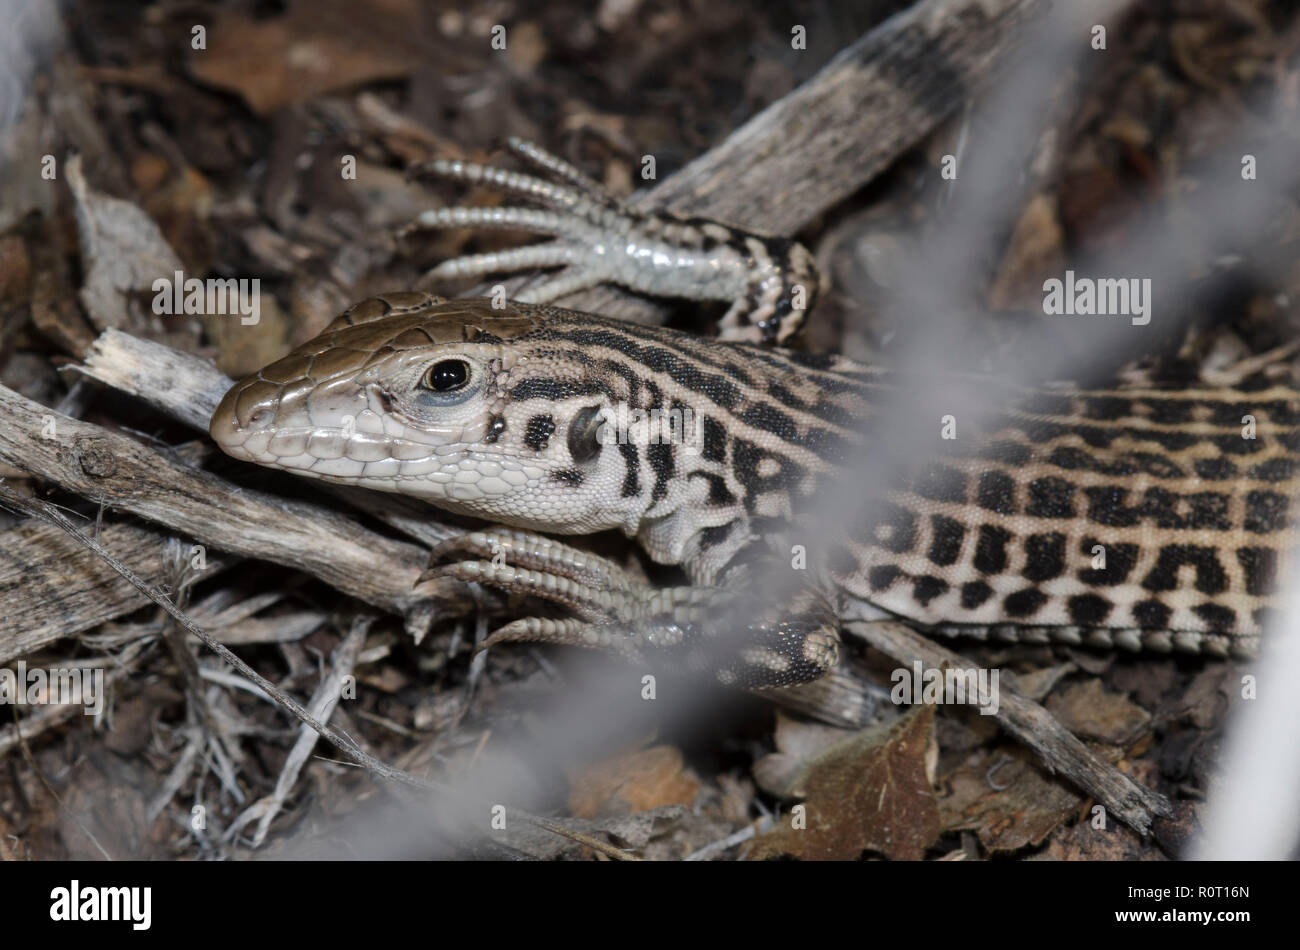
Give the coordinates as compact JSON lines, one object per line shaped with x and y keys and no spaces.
{"x":784,"y":640}
{"x":789,"y":653}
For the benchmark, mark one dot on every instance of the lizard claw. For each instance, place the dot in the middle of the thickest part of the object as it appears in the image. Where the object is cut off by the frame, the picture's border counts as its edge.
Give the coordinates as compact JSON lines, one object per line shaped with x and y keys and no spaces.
{"x":523,"y":549}
{"x":611,"y":638}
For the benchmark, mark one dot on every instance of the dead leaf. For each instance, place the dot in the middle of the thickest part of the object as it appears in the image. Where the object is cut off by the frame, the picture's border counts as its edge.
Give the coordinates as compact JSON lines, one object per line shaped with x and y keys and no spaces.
{"x":105,"y":806}
{"x":1148,"y":682}
{"x":1037,"y":684}
{"x":1006,"y":800}
{"x":315,"y":47}
{"x":868,"y":792}
{"x":632,"y":782}
{"x":15,"y":273}
{"x":246,"y":349}
{"x":797,"y":741}
{"x":1179,"y":832}
{"x":526,"y":46}
{"x":122,"y":249}
{"x":58,"y":317}
{"x":1205,"y":700}
{"x":1091,"y":711}
{"x":181,"y":206}
{"x":1116,"y":842}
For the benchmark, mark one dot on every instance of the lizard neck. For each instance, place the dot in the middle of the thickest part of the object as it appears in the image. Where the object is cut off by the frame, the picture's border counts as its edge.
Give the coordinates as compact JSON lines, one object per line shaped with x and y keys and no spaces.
{"x":726,"y":443}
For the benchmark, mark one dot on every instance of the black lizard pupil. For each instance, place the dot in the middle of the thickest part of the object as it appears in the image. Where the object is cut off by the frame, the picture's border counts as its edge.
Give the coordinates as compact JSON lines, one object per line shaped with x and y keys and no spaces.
{"x":447,"y":375}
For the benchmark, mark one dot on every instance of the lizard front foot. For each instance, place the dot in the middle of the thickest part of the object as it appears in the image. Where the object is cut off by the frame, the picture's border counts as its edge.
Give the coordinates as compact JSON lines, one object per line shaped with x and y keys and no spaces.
{"x":706,"y":629}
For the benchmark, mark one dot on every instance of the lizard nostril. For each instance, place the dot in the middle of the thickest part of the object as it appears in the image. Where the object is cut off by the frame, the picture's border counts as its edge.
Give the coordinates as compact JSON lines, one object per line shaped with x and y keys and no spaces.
{"x":259,"y":418}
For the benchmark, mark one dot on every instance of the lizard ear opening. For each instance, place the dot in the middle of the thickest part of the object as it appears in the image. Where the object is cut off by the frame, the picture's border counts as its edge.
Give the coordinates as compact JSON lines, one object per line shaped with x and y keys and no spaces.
{"x":584,"y":434}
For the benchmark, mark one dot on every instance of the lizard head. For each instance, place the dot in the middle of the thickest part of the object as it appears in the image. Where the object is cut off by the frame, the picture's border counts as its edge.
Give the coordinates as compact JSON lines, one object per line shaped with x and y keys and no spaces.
{"x":483,"y":411}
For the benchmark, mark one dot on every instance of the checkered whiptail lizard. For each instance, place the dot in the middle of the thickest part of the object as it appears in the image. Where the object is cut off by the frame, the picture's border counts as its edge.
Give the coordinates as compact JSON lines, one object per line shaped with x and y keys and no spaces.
{"x":1132,"y":517}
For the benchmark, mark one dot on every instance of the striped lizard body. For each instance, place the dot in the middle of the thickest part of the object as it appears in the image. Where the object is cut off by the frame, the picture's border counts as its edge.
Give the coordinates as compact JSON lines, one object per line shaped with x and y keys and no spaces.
{"x":511,"y":415}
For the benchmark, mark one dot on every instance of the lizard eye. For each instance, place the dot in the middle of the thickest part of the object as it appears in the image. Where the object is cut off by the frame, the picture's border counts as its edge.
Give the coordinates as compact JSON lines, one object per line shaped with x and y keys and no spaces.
{"x":446,"y":376}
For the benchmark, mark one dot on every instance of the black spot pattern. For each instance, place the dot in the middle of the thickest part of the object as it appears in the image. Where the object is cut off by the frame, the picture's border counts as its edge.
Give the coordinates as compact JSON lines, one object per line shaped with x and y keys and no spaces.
{"x":1050,"y":497}
{"x":927,"y":588}
{"x":1274,"y":470}
{"x":825,"y":442}
{"x":894,"y":528}
{"x":1170,"y":412}
{"x":997,"y":493}
{"x":693,"y":373}
{"x":1210,"y":576}
{"x":947,"y":536}
{"x":1107,"y":408}
{"x":1075,"y":459}
{"x":712,"y":537}
{"x":1152,"y":615}
{"x":991,"y":549}
{"x":1117,"y":424}
{"x":556,"y":389}
{"x":660,"y":457}
{"x":1120,"y":561}
{"x":1044,"y":556}
{"x":746,"y":459}
{"x":1088,"y":610}
{"x":1040,"y":431}
{"x":1217,"y":617}
{"x":1215,"y":469}
{"x":1259,"y":565}
{"x":632,"y":478}
{"x":1010,"y":453}
{"x":1203,"y":510}
{"x":1266,"y":512}
{"x":719,"y":493}
{"x":1107,"y":505}
{"x":883,"y":577}
{"x":1024,"y":603}
{"x":1236,"y":445}
{"x":715,"y":440}
{"x":538,"y":432}
{"x":942,"y":483}
{"x":975,"y":593}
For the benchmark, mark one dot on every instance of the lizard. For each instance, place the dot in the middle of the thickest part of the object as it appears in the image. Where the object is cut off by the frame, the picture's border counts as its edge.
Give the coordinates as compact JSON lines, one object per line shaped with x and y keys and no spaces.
{"x":508,"y":411}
